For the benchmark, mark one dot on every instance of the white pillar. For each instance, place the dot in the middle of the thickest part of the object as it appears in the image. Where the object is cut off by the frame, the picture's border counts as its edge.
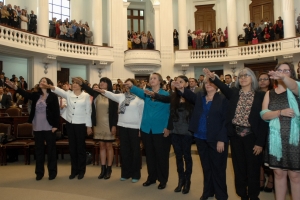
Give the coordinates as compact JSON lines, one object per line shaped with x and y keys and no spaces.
{"x":288,"y":17}
{"x":43,"y":18}
{"x":157,"y":27}
{"x":231,"y":23}
{"x":125,"y":6}
{"x":183,"y":41}
{"x":97,"y":22}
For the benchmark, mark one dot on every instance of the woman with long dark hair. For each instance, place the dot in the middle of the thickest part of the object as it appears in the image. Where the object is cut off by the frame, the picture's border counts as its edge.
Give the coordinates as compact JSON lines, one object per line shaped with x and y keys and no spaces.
{"x":104,"y":119}
{"x":44,"y":116}
{"x":130,"y":117}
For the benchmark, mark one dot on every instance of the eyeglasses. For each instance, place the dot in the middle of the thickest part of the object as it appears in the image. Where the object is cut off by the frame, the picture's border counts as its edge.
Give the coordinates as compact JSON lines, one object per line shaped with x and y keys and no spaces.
{"x":244,"y":76}
{"x":285,"y":71}
{"x":263,"y":79}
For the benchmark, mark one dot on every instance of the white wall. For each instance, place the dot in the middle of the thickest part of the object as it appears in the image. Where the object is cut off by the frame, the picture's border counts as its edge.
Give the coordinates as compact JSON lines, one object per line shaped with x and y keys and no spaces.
{"x":75,"y":70}
{"x":175,"y":15}
{"x":14,"y":65}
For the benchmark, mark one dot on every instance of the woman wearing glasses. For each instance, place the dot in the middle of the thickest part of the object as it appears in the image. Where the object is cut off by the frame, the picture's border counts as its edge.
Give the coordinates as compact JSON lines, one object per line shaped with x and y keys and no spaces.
{"x":265,"y":84}
{"x":281,"y":109}
{"x":246,"y":129}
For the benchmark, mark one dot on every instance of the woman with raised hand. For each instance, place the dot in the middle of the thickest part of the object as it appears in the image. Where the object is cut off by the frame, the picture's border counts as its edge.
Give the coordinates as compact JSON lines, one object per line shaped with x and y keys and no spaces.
{"x":208,"y":125}
{"x":104,"y":118}
{"x":78,"y":117}
{"x":281,"y":109}
{"x":247,"y":131}
{"x":130,"y":117}
{"x":154,"y":132}
{"x":44,"y":117}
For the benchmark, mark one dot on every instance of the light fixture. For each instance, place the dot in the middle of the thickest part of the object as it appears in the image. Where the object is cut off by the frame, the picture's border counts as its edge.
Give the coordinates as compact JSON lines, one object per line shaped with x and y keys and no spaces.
{"x":184,"y":68}
{"x":46,"y":68}
{"x":233,"y":67}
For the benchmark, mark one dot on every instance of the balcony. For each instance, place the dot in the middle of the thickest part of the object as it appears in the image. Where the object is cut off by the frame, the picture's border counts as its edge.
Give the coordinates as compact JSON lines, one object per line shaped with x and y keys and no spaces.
{"x":17,"y":39}
{"x":142,"y":60}
{"x":262,"y":50}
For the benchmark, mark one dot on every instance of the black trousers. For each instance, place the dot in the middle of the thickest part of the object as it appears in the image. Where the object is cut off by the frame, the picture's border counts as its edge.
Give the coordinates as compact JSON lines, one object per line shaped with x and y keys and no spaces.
{"x":130,"y":153}
{"x":214,"y":169}
{"x":157,"y":148}
{"x":246,"y":166}
{"x":40,"y":137}
{"x":76,"y":136}
{"x":182,"y":148}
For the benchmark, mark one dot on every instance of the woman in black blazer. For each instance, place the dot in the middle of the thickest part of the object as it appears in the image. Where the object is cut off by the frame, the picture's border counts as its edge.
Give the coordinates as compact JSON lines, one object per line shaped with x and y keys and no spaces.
{"x":208,"y":125}
{"x":44,"y":116}
{"x":246,"y":129}
{"x":106,"y":135}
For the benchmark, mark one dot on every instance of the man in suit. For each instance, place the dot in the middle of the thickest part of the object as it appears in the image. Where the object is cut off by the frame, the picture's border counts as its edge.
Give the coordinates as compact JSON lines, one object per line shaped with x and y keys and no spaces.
{"x":32,"y":22}
{"x":228,"y":81}
{"x":193,"y":85}
{"x":5,"y":99}
{"x":23,"y":83}
{"x":2,"y":80}
{"x":80,"y":33}
{"x":251,"y":24}
{"x":201,"y":81}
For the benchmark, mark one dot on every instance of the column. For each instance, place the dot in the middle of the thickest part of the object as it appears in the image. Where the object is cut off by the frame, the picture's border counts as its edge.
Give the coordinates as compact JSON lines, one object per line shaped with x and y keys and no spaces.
{"x":231,"y":23}
{"x":43,"y":18}
{"x":97,"y":22}
{"x":183,"y":41}
{"x":157,"y":27}
{"x":288,"y":17}
{"x":125,"y":29}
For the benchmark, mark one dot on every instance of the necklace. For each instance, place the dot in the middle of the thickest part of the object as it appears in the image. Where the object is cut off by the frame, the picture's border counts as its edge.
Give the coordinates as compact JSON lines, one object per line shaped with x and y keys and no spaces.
{"x":208,"y":99}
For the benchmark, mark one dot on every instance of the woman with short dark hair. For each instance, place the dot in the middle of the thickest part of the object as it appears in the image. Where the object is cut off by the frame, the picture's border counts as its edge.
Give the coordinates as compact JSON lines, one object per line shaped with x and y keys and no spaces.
{"x":44,"y":116}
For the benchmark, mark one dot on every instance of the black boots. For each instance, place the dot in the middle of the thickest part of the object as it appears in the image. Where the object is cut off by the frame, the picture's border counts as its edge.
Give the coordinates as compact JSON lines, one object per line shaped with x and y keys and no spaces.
{"x":108,"y":172}
{"x":181,"y":183}
{"x":103,"y":172}
{"x":186,"y":187}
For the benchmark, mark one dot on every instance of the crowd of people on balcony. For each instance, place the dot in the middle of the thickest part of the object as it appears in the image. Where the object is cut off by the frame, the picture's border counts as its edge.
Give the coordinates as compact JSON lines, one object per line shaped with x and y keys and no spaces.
{"x":18,"y":18}
{"x":137,"y":40}
{"x":70,"y":31}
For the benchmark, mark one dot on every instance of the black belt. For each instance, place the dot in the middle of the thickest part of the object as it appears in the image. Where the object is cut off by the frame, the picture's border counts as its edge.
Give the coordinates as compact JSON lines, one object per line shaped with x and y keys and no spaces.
{"x":242,"y":131}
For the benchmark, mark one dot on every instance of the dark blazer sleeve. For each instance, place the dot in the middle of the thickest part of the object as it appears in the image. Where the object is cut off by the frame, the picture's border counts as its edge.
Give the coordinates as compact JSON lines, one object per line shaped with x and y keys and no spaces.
{"x":224,"y":88}
{"x":189,"y":95}
{"x":162,"y":98}
{"x":170,"y":121}
{"x":55,"y":110}
{"x":113,"y":113}
{"x":262,"y":130}
{"x":89,"y":90}
{"x":25,"y":94}
{"x":222,"y":134}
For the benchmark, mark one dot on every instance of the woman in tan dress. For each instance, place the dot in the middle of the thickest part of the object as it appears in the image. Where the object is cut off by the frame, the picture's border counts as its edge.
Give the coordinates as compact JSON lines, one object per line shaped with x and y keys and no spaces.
{"x":104,"y":119}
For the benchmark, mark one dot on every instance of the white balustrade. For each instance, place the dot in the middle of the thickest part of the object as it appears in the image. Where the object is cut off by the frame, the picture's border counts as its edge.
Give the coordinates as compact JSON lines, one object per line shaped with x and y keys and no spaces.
{"x":260,"y":48}
{"x":297,"y":42}
{"x":208,"y":54}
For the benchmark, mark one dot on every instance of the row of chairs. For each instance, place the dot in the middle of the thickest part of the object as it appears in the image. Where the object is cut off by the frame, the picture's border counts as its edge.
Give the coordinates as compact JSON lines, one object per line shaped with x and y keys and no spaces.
{"x":24,"y":140}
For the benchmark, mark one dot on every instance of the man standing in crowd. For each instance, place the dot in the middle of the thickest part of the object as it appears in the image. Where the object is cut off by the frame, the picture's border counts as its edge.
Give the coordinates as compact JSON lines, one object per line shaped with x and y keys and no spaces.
{"x":23,"y":83}
{"x":193,"y":85}
{"x":88,"y":36}
{"x":52,"y":27}
{"x":5,"y":100}
{"x":32,"y":22}
{"x":298,"y":22}
{"x":169,"y":79}
{"x":200,"y":82}
{"x":228,"y":81}
{"x":2,"y":79}
{"x":11,"y":13}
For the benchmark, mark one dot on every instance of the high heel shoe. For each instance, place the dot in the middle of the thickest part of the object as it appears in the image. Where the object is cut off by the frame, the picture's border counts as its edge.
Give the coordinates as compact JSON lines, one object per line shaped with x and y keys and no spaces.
{"x":267,"y":189}
{"x":263,"y":186}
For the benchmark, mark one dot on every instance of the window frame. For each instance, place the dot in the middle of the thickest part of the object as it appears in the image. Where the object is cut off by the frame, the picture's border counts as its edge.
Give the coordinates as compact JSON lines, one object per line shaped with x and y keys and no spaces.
{"x":62,"y":16}
{"x":131,"y":17}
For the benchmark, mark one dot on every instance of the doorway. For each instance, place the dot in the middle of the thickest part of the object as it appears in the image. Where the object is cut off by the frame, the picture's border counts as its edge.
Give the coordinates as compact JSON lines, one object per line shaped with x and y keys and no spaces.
{"x":205,"y":18}
{"x":258,"y":68}
{"x":262,"y":10}
{"x":63,"y":75}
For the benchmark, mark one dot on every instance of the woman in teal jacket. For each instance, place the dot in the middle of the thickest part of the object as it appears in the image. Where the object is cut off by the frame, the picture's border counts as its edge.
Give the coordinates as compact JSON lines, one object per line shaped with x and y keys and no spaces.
{"x":154,"y":133}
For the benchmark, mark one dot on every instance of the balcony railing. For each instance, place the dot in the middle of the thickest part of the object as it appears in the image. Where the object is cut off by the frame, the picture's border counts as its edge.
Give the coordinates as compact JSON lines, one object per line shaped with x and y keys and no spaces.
{"x":36,"y":43}
{"x":276,"y":48}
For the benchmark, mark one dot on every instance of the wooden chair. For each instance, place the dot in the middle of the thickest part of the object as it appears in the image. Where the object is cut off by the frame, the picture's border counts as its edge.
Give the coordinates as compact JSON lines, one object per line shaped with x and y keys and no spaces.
{"x":6,"y":129}
{"x":24,"y":136}
{"x":14,"y":111}
{"x":4,"y":115}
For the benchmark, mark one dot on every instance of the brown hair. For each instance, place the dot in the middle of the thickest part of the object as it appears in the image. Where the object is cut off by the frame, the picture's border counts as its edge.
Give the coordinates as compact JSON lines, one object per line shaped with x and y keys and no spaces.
{"x":133,"y":81}
{"x":292,"y":70}
{"x":160,"y":78}
{"x":271,"y":85}
{"x":81,"y":79}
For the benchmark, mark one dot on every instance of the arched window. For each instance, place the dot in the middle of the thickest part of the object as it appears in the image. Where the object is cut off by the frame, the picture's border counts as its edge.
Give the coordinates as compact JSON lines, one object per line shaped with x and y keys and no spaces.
{"x":59,"y":9}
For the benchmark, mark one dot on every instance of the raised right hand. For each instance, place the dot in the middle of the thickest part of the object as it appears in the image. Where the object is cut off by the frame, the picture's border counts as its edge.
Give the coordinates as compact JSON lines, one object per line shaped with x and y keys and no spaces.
{"x":100,"y":90}
{"x":11,"y":84}
{"x":209,"y":74}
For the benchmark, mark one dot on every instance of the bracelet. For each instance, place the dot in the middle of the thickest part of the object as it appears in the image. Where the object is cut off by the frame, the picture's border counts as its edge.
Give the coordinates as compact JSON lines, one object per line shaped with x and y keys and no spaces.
{"x":279,"y":113}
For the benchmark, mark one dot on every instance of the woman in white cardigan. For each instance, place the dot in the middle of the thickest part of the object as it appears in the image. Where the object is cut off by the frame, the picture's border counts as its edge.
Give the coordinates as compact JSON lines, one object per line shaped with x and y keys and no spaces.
{"x":78,"y":116}
{"x":130,"y":116}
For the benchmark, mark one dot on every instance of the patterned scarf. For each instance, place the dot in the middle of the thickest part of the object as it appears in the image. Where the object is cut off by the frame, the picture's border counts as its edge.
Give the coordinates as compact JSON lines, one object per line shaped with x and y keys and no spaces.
{"x":128,"y":98}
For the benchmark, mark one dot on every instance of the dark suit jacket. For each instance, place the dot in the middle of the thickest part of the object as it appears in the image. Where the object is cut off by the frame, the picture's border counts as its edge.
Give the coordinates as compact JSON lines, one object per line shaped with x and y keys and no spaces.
{"x":216,"y":118}
{"x":25,"y":85}
{"x":258,"y":126}
{"x":6,"y":101}
{"x":2,"y":83}
{"x":52,"y":110}
{"x":112,"y":107}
